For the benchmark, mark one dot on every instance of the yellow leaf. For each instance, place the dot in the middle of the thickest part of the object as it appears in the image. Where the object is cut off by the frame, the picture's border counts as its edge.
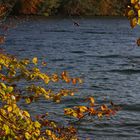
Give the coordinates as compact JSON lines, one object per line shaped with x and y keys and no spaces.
{"x":134,"y":1}
{"x":6,"y":128}
{"x":37,"y":124}
{"x":44,"y":77}
{"x":14,"y":106}
{"x":3,"y":85}
{"x":53,"y":125}
{"x":130,"y":13}
{"x":91,"y":100}
{"x":138,"y":21}
{"x":83,"y":109}
{"x":68,"y":111}
{"x":133,"y":22}
{"x":55,"y":78}
{"x":27,"y":136}
{"x":137,"y":6}
{"x":3,"y":111}
{"x":9,"y":89}
{"x":80,"y":80}
{"x":28,"y":101}
{"x":138,"y":13}
{"x":35,"y":60}
{"x":43,"y":90}
{"x":100,"y":115}
{"x":37,"y":132}
{"x":48,"y":132}
{"x":74,"y":114}
{"x":26,"y":114}
{"x":9,"y":108}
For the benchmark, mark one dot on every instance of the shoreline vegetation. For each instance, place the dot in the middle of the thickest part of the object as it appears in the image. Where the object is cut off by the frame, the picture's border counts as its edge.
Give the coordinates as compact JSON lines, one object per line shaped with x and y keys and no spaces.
{"x":67,"y":8}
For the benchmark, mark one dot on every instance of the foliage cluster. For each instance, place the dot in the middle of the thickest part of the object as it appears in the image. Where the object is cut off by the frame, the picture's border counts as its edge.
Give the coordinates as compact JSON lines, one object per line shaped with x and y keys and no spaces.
{"x":133,"y":13}
{"x":17,"y":123}
{"x":68,"y":7}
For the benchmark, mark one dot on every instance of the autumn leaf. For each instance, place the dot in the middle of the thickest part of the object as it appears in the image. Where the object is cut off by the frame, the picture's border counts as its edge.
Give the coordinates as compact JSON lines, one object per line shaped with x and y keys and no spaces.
{"x":26,"y":114}
{"x":28,"y":136}
{"x":104,"y":108}
{"x":134,"y":1}
{"x":138,"y":42}
{"x":37,"y":124}
{"x":100,"y":115}
{"x":83,"y":109}
{"x":35,"y":60}
{"x":2,"y":39}
{"x":133,"y":22}
{"x":74,"y":80}
{"x":9,"y":109}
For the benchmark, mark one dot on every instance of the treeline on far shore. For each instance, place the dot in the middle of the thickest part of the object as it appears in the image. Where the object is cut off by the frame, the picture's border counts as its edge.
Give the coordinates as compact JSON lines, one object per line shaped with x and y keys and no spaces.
{"x":66,"y":7}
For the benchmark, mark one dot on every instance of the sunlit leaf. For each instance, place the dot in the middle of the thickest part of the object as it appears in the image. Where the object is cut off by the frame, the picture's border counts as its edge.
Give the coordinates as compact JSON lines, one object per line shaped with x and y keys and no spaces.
{"x":28,"y":100}
{"x":100,"y":115}
{"x":130,"y":13}
{"x":35,"y":60}
{"x":133,"y":22}
{"x":104,"y":107}
{"x":92,"y":101}
{"x":26,"y":114}
{"x":6,"y":128}
{"x":55,"y":78}
{"x":138,"y":21}
{"x":9,"y":109}
{"x":139,"y":13}
{"x":28,"y":136}
{"x":48,"y":132}
{"x":9,"y":89}
{"x":83,"y":109}
{"x":37,"y":124}
{"x":3,"y":85}
{"x":134,"y":1}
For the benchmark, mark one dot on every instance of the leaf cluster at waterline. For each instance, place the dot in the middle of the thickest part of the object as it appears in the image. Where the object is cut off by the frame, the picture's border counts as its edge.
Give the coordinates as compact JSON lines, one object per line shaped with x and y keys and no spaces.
{"x":17,"y":123}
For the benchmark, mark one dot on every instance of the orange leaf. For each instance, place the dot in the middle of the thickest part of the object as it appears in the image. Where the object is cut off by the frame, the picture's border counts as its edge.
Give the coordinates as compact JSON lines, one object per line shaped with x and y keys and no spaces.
{"x":104,"y":108}
{"x":74,"y":80}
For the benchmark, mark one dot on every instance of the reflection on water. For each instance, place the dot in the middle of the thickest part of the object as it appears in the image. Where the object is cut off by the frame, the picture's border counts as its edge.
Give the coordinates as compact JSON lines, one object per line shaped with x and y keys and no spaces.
{"x":103,"y":51}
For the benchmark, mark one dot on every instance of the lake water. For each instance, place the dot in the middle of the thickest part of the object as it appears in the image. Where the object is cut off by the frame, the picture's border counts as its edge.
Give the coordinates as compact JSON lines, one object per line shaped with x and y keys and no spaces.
{"x":103,"y":52}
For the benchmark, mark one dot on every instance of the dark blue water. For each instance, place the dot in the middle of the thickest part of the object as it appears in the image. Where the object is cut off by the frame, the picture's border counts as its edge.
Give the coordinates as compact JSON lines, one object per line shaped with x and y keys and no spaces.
{"x":103,"y":52}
